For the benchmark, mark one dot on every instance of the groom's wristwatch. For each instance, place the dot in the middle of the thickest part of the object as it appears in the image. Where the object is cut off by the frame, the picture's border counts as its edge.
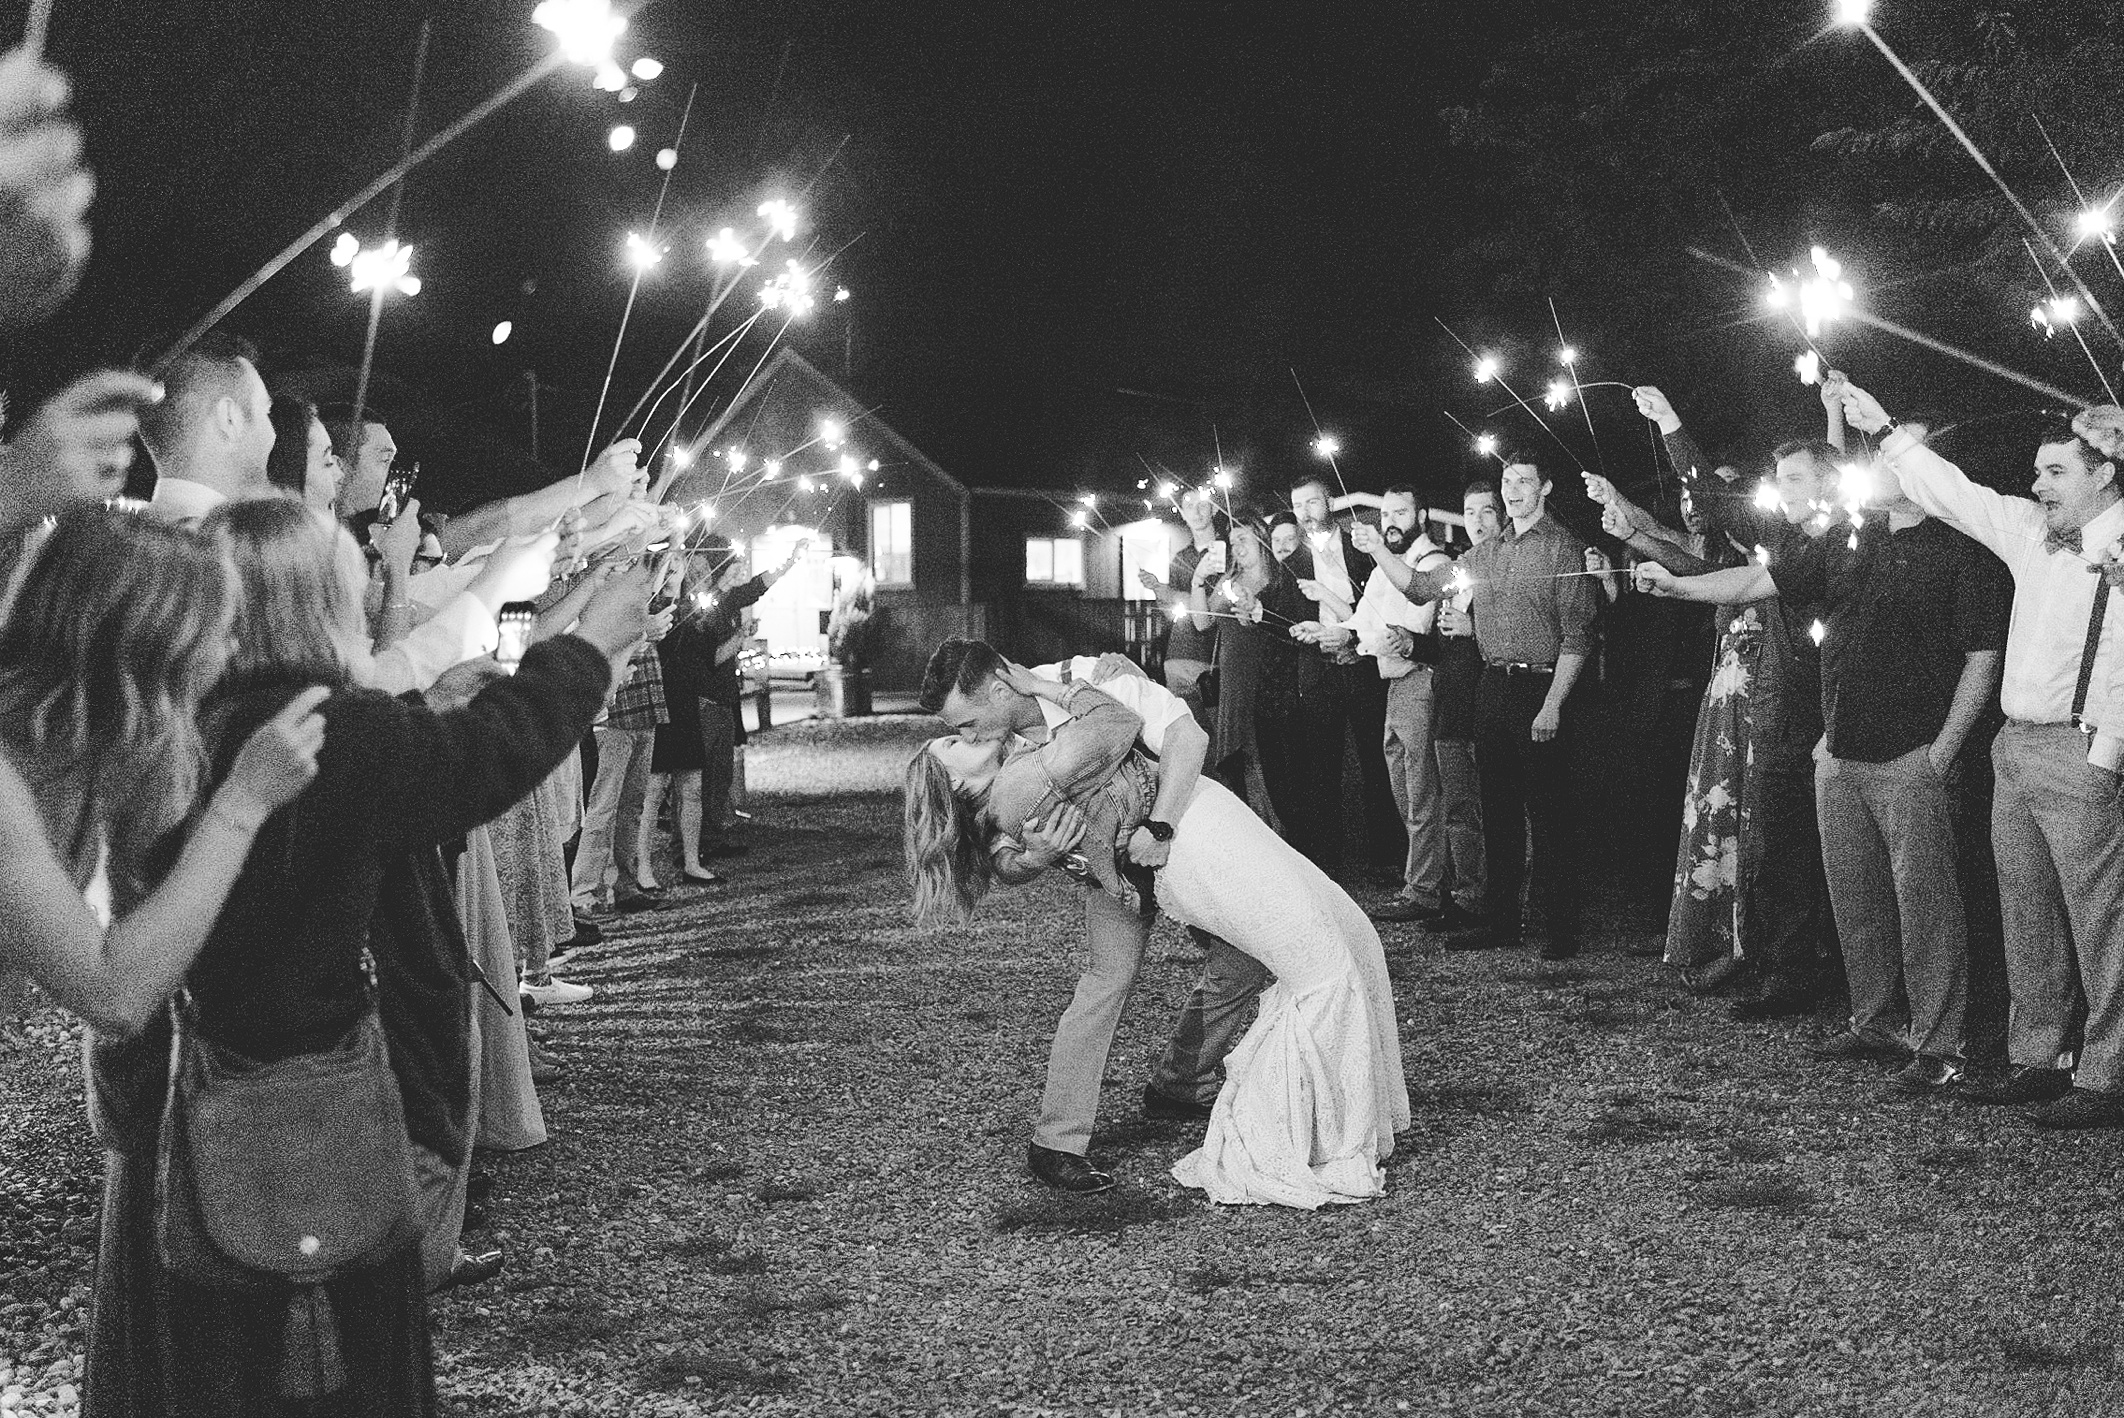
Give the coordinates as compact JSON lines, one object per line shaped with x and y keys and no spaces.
{"x":1159,"y":831}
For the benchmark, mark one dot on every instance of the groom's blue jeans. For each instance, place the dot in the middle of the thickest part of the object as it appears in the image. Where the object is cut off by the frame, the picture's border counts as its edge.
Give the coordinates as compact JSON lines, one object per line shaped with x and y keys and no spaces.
{"x":1209,"y":1025}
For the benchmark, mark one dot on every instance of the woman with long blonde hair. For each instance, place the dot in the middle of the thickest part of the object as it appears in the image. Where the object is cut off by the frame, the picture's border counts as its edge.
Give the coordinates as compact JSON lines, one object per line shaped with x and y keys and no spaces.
{"x":286,"y":974}
{"x":115,"y":628}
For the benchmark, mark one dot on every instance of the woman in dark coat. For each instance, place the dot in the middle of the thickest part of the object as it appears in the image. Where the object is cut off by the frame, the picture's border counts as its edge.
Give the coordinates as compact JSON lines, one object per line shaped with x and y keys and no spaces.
{"x":282,"y":973}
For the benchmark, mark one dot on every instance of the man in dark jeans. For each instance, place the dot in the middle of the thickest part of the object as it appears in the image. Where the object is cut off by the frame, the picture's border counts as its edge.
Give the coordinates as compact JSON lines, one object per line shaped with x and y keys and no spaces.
{"x":1533,"y":610}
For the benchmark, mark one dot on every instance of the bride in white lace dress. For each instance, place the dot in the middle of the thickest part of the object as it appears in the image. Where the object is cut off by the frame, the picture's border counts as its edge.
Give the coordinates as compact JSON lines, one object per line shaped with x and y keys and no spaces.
{"x":1314,"y":1092}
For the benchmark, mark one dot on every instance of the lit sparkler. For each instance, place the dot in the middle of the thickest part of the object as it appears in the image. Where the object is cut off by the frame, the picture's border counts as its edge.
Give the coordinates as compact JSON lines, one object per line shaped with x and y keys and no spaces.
{"x":1487,"y":368}
{"x":642,"y":252}
{"x":781,"y":218}
{"x":586,"y":29}
{"x":1558,"y":396}
{"x":1766,"y":498}
{"x":1326,"y":446}
{"x":724,"y":248}
{"x":1820,"y":298}
{"x":1808,"y":366}
{"x":790,"y":291}
{"x":381,"y":268}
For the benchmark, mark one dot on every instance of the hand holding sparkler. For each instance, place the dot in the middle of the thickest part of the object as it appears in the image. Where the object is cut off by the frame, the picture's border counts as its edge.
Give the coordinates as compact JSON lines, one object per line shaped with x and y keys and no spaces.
{"x":1312,"y":632}
{"x":1651,"y":579}
{"x":517,"y":570}
{"x":1367,"y":539}
{"x":76,"y":447}
{"x":614,"y":470}
{"x":1654,"y":405}
{"x":45,"y":192}
{"x":399,"y":541}
{"x":1862,"y":411}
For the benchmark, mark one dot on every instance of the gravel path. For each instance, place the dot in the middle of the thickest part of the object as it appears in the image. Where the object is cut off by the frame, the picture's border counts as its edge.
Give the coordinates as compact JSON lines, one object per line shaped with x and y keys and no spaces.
{"x":787,"y":1178}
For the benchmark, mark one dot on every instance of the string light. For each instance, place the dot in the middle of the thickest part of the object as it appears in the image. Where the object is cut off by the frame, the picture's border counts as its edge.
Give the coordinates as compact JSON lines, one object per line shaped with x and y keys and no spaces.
{"x":621,"y":138}
{"x":647,"y":69}
{"x":502,"y":332}
{"x":666,"y":159}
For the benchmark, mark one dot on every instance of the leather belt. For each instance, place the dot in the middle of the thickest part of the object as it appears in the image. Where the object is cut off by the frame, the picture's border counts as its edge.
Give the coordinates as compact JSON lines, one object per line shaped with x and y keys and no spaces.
{"x":1520,"y":667}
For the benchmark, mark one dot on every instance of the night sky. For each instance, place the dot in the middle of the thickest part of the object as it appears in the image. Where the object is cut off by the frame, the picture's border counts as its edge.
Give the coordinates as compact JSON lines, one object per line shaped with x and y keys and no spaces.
{"x":1083,"y":235}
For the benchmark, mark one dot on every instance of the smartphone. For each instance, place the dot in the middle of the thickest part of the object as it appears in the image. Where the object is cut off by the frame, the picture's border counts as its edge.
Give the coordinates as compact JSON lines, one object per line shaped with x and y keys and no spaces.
{"x":515,"y":623}
{"x":397,"y":489}
{"x":1214,"y":559}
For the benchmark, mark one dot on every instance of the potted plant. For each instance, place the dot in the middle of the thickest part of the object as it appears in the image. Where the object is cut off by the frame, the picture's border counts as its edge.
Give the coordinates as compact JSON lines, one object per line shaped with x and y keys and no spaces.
{"x":843,"y":686}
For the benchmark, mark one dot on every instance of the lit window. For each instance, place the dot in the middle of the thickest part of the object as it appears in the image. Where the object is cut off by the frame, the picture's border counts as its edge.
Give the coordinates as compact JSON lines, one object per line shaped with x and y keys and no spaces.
{"x":1054,"y":561}
{"x":892,"y":543}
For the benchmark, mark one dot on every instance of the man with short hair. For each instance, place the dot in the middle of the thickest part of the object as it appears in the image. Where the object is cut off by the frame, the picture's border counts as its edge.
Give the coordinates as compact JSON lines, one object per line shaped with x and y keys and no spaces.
{"x":1454,"y":684}
{"x":365,"y":454}
{"x":962,"y":686}
{"x":1342,"y":570}
{"x":213,"y":431}
{"x":1399,"y":637}
{"x":2057,"y":817}
{"x":1533,"y":614}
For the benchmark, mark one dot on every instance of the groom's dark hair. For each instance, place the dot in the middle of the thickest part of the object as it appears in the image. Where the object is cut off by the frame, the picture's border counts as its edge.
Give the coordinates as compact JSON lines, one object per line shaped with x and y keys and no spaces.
{"x":964,"y":665}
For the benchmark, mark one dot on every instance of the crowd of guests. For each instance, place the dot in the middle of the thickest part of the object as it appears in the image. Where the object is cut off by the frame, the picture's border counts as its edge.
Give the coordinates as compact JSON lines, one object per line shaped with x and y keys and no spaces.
{"x":292,"y":781}
{"x":1853,"y":727}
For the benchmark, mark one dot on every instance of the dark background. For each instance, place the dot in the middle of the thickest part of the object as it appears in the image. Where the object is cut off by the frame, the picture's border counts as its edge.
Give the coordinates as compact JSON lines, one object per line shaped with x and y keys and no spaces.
{"x":1086,"y":235}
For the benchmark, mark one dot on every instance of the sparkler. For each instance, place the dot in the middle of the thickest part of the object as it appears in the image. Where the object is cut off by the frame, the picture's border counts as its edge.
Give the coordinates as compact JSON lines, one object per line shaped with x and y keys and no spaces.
{"x":643,"y":253}
{"x":1820,"y":298}
{"x":1323,"y":445}
{"x":2064,"y":310}
{"x":1808,"y":366}
{"x":585,"y":29}
{"x":37,"y":27}
{"x":380,"y":268}
{"x":1855,"y":13}
{"x":1488,"y":367}
{"x":1485,"y":443}
{"x":389,"y":267}
{"x":338,"y":216}
{"x":1567,"y":356}
{"x":1904,"y":332}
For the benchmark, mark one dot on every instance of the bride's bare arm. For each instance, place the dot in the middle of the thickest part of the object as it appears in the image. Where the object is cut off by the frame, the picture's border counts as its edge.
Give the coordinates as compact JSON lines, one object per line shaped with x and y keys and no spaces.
{"x":116,"y":980}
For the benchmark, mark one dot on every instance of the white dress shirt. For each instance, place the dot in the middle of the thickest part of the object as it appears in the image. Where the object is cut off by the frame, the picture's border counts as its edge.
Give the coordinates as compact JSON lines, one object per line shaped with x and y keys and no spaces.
{"x":1329,"y":569}
{"x":1159,"y":706}
{"x":462,"y":630}
{"x":1384,"y":608}
{"x":176,"y":500}
{"x":2053,"y":595}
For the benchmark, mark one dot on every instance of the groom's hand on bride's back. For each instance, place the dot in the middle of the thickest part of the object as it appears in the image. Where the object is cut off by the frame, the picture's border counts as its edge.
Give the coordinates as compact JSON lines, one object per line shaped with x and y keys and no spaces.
{"x":1113,"y":666}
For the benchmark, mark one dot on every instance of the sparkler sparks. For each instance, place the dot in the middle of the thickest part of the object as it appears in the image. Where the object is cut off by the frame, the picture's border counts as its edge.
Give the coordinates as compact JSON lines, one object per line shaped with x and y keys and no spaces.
{"x":586,"y":29}
{"x":642,"y":252}
{"x":724,"y":248}
{"x":1821,"y":298}
{"x":1558,"y":396}
{"x":382,"y":268}
{"x":1486,"y":445}
{"x":1808,"y":367}
{"x":831,"y":431}
{"x":1567,"y":355}
{"x":781,"y":218}
{"x":2060,"y":312}
{"x":790,"y":291}
{"x":1853,"y":12}
{"x":1766,"y":498}
{"x":1326,"y":446}
{"x":2098,"y":224}
{"x":1487,"y":368}
{"x":1223,"y":479}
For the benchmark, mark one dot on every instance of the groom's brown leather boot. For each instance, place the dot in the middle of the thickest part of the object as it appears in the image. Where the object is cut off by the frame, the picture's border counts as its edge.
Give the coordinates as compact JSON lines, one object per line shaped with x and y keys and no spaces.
{"x":1065,"y":1171}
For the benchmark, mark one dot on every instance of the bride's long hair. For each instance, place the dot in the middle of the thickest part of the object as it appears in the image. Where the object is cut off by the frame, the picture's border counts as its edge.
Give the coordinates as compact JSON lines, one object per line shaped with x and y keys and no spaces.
{"x":948,"y":865}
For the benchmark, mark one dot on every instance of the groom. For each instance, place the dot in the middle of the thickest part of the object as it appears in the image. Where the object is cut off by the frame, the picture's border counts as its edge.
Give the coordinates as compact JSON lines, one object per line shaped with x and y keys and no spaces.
{"x":963,"y":688}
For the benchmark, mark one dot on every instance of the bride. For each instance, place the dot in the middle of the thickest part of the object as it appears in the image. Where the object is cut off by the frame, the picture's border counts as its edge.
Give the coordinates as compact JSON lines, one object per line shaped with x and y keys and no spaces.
{"x":1313,"y":1093}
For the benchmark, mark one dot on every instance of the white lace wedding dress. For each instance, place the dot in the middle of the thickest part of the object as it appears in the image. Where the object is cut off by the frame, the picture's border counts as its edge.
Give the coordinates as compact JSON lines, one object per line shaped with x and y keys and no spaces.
{"x":1314,"y":1092}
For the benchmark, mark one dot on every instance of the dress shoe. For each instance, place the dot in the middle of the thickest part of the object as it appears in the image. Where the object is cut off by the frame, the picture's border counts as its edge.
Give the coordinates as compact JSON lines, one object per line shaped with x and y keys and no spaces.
{"x":1157,"y":1104}
{"x":1402,"y":908}
{"x":2081,"y":1108}
{"x":701,"y":878}
{"x":586,"y":931}
{"x":1923,"y":1077}
{"x":1452,"y":916}
{"x":472,"y":1270}
{"x":552,"y":991}
{"x":2026,"y":1084}
{"x":1065,"y":1171}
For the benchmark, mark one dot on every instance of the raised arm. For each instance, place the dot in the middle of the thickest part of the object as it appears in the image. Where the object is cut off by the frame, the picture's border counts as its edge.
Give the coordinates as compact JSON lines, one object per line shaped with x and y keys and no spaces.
{"x":2012,"y":527}
{"x":116,"y":980}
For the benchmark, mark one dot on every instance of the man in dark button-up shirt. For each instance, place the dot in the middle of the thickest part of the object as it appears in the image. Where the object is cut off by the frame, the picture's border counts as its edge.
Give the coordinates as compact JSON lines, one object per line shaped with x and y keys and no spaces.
{"x":1915,"y":627}
{"x":1533,"y":609}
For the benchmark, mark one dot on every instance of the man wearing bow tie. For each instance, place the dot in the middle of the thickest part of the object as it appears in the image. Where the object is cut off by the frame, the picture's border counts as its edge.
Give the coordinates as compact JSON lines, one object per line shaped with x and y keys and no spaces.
{"x":2057,"y":820}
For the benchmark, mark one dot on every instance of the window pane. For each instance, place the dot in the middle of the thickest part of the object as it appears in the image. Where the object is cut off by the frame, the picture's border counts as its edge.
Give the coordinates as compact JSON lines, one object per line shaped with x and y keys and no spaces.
{"x":903,"y":527}
{"x":892,"y":542}
{"x":1039,"y":559}
{"x":1069,"y":561}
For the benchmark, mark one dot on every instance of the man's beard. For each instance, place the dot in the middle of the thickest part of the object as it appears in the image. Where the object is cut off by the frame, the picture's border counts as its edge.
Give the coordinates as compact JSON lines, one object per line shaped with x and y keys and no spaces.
{"x":1397,"y":539}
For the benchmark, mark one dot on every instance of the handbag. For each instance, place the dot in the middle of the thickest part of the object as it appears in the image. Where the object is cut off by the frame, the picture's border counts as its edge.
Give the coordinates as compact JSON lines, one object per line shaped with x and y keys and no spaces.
{"x":284,"y":1173}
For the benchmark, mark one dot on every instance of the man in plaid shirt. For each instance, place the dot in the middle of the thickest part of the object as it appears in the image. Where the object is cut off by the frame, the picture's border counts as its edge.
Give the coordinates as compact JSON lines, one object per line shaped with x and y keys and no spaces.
{"x":605,"y":859}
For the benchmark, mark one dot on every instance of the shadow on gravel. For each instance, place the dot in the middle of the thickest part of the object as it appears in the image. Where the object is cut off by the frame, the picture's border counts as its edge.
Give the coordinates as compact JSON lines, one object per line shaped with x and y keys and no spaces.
{"x":2038,"y":1351}
{"x":693,"y":1370}
{"x":1627,"y":1126}
{"x":1101,"y":1214}
{"x":1486,"y":1099}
